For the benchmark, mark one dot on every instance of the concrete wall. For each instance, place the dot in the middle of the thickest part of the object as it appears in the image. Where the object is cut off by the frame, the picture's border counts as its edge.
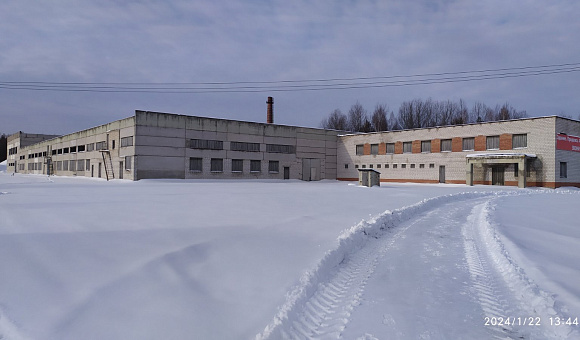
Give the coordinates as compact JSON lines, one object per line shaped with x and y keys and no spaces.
{"x":163,"y":147}
{"x":424,"y":167}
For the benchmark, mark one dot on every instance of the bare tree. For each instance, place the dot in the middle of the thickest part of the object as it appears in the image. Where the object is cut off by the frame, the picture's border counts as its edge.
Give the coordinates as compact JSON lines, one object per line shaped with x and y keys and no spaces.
{"x":379,"y":118}
{"x":393,"y":122}
{"x":406,"y":115}
{"x":335,"y":121}
{"x":356,"y":117}
{"x":478,"y":112}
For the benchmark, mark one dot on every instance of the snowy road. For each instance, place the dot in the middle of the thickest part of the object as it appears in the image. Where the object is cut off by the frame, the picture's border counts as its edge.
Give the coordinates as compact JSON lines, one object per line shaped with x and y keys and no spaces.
{"x":439,"y":275}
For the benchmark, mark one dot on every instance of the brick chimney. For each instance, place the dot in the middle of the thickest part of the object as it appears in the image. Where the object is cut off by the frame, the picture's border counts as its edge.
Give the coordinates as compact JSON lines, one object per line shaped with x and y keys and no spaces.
{"x":270,"y":117}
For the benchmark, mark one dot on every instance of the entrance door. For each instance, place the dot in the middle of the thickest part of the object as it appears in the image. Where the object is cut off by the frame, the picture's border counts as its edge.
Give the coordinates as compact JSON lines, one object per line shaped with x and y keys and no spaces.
{"x":100,"y":170}
{"x":121,"y":170}
{"x":286,"y":172}
{"x":92,"y":171}
{"x":441,"y":173}
{"x":497,"y":175}
{"x":310,"y":169}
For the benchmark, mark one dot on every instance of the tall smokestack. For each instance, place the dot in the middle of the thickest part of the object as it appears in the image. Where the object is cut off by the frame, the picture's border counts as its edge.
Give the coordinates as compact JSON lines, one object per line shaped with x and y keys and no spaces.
{"x":270,"y":117}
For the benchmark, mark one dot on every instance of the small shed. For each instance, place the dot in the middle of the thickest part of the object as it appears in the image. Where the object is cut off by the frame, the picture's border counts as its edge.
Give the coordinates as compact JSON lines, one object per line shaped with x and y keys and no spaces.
{"x":369,"y":177}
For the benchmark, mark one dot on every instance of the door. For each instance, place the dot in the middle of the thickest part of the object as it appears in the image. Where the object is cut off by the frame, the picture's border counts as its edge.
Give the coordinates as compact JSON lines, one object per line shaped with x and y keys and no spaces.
{"x":497,"y":175}
{"x":121,"y":170}
{"x":92,"y":171}
{"x":286,"y":172}
{"x":310,"y":169}
{"x":99,"y":170}
{"x":441,"y":173}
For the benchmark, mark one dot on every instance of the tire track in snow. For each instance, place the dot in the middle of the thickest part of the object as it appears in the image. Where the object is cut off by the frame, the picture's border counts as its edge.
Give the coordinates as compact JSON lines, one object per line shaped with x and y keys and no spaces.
{"x":327,"y":312}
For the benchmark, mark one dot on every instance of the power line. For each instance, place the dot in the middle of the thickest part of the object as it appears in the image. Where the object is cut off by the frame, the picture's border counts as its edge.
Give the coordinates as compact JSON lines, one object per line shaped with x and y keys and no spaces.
{"x":296,"y":85}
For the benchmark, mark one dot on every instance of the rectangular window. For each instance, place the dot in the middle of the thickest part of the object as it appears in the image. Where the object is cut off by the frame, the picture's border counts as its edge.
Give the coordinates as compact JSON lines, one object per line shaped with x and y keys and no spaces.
{"x":492,"y":143}
{"x":65,"y":150}
{"x":217,"y":165}
{"x":81,"y":165}
{"x":128,"y":163}
{"x":386,"y":166}
{"x":403,"y":166}
{"x":280,"y":148}
{"x":468,"y":144}
{"x":206,"y":144}
{"x":394,"y":166}
{"x":356,"y":166}
{"x":426,"y":146}
{"x":73,"y":149}
{"x":516,"y":170}
{"x":65,"y":165}
{"x":390,"y":148}
{"x":364,"y":166}
{"x":412,"y":166}
{"x":73,"y":165}
{"x":195,"y":164}
{"x":378,"y":166}
{"x":370,"y":166}
{"x":126,"y":141}
{"x":255,"y":166}
{"x":59,"y":166}
{"x":59,"y":151}
{"x":374,"y":149}
{"x":243,"y":146}
{"x":407,"y":147}
{"x":237,"y":165}
{"x":563,"y":170}
{"x":81,"y":148}
{"x":273,"y":166}
{"x":446,"y":145}
{"x":431,"y":166}
{"x":100,"y":146}
{"x":53,"y":152}
{"x":91,"y":147}
{"x":520,"y":141}
{"x":360,"y":149}
{"x":421,"y":166}
{"x":346,"y":166}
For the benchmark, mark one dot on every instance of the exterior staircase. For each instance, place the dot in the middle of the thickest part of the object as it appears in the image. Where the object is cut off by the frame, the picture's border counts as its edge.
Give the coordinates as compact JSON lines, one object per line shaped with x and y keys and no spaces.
{"x":108,"y":162}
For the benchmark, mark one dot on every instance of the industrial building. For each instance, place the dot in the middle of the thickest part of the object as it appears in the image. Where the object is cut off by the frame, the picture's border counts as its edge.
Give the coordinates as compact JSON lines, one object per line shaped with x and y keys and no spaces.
{"x":541,"y":151}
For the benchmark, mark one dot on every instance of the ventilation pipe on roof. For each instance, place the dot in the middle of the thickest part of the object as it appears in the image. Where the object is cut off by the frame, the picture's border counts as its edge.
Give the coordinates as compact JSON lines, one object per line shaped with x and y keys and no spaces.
{"x":270,"y":117}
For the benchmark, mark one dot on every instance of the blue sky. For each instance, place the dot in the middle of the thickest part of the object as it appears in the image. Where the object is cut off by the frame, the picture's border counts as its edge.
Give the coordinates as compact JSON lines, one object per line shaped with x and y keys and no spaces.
{"x":238,"y":41}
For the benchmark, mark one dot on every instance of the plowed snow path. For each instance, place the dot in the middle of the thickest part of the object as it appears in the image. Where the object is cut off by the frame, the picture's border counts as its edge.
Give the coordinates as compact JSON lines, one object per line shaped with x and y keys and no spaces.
{"x":431,"y":277}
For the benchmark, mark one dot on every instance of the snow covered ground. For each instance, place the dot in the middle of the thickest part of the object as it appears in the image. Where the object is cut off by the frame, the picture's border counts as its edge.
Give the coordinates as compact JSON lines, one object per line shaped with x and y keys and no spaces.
{"x":170,"y":259}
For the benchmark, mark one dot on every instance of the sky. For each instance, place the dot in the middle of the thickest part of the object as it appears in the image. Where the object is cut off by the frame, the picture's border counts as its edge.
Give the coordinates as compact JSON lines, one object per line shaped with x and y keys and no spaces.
{"x":263,"y":45}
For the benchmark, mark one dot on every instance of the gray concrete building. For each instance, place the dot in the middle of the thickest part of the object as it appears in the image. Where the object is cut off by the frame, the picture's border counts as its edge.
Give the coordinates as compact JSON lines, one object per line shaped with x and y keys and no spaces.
{"x":542,"y":151}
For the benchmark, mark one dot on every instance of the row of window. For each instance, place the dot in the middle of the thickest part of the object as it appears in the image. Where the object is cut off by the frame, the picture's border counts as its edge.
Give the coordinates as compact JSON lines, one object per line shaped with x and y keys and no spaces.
{"x":13,"y":151}
{"x":387,"y":166}
{"x":125,"y":142}
{"x":468,"y":144}
{"x":217,"y":165}
{"x":208,"y":144}
{"x":71,"y":165}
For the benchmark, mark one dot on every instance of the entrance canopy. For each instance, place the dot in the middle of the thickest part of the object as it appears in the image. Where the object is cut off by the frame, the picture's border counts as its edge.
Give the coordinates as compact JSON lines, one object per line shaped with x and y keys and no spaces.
{"x":500,"y":158}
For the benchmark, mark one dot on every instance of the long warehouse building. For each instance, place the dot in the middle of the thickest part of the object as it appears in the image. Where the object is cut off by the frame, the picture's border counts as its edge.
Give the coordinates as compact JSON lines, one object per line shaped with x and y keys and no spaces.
{"x":542,"y":151}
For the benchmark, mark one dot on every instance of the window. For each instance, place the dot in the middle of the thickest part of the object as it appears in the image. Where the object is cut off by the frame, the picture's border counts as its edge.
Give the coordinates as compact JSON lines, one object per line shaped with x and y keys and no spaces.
{"x":426,"y":146}
{"x":88,"y":165}
{"x":113,"y":145}
{"x":237,"y":165}
{"x":374,"y":149}
{"x":73,"y":165}
{"x":65,"y":165}
{"x":520,"y":141}
{"x":73,"y":149}
{"x":386,"y":166}
{"x":394,"y":166}
{"x":378,"y":166}
{"x":195,"y":164}
{"x":403,"y":166}
{"x":126,"y":141}
{"x":59,"y":151}
{"x":360,"y":149}
{"x":346,"y":166}
{"x":407,"y":147}
{"x":255,"y":166}
{"x":390,"y":148}
{"x":364,"y":166}
{"x":412,"y":166}
{"x":370,"y":166}
{"x":421,"y":166}
{"x":356,"y":166}
{"x":65,"y":150}
{"x":492,"y":143}
{"x":81,"y":148}
{"x":59,"y":166}
{"x":431,"y":166}
{"x":206,"y":144}
{"x":273,"y":166}
{"x":243,"y":146}
{"x":53,"y":152}
{"x":81,"y":165}
{"x":100,"y":146}
{"x":563,"y":170}
{"x":127,"y":162}
{"x":516,"y":170}
{"x":468,"y":144}
{"x":279,"y":148}
{"x":446,"y":145}
{"x":91,"y":147}
{"x":217,"y":165}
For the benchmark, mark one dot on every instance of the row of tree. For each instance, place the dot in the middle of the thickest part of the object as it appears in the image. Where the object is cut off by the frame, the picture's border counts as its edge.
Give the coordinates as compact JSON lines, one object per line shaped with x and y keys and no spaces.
{"x":417,"y":113}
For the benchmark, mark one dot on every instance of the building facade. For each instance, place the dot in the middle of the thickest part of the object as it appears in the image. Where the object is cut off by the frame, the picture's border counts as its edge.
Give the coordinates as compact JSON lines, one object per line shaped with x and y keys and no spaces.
{"x":524,"y":152}
{"x":541,"y":151}
{"x":161,"y":145}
